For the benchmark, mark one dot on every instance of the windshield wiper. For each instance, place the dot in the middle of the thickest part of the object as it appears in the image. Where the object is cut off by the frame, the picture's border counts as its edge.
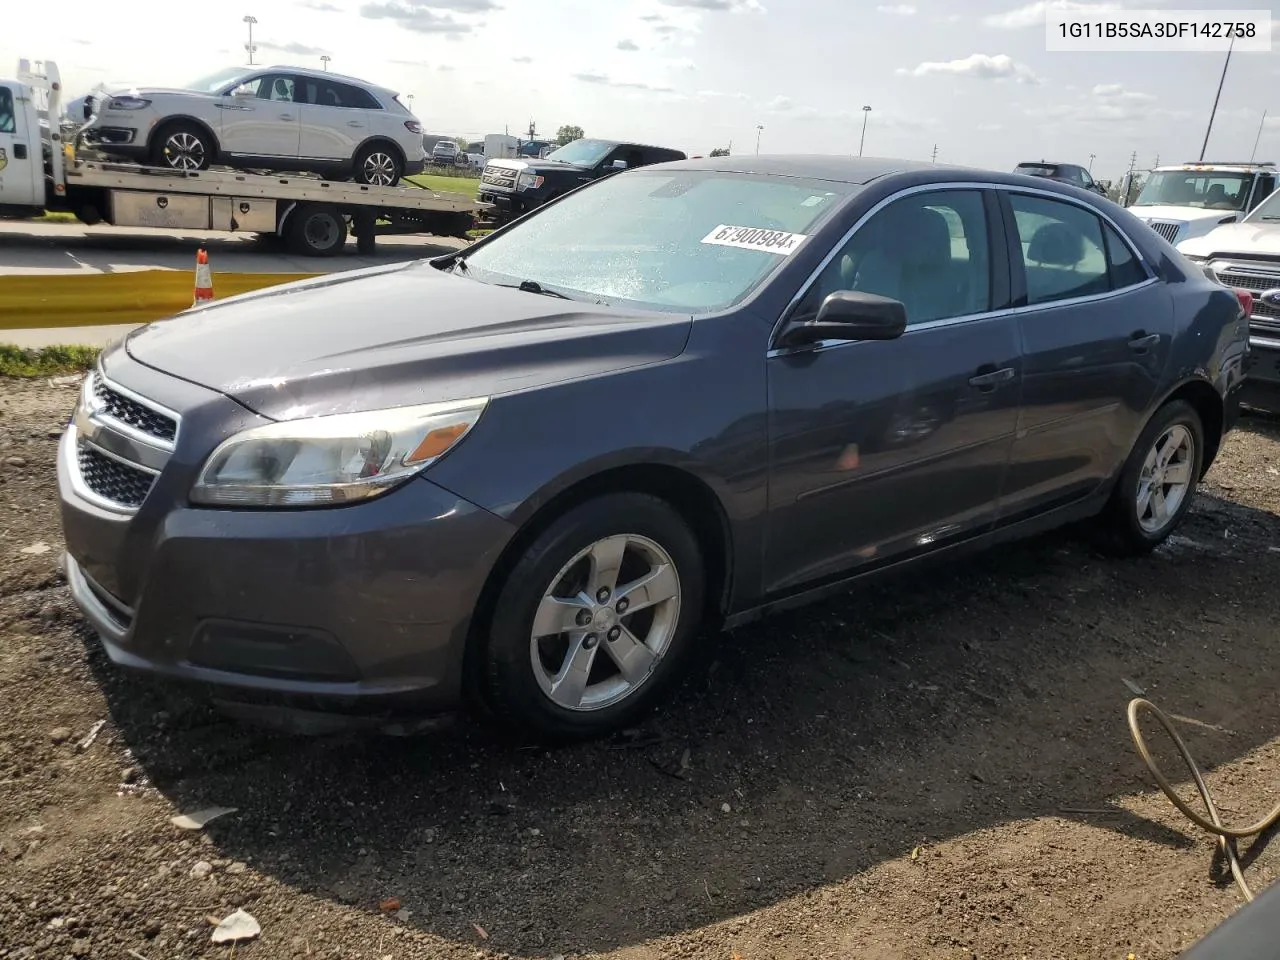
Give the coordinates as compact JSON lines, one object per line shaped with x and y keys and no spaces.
{"x":533,"y":286}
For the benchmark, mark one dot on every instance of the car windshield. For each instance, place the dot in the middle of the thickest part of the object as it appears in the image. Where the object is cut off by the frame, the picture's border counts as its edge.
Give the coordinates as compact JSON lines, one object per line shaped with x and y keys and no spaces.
{"x":1188,"y":188}
{"x":1268,"y":209}
{"x":582,"y":153}
{"x":674,"y":241}
{"x":216,"y":81}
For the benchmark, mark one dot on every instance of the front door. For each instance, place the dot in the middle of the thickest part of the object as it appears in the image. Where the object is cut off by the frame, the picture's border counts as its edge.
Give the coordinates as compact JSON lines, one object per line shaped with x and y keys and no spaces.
{"x":882,"y":449}
{"x":261,"y":119}
{"x":21,"y":177}
{"x":1096,"y":330}
{"x":335,"y":118}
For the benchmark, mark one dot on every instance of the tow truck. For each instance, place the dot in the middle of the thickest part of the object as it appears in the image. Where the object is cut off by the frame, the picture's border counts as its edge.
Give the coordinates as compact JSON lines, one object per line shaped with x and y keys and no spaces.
{"x":41,"y":170}
{"x":1188,"y":200}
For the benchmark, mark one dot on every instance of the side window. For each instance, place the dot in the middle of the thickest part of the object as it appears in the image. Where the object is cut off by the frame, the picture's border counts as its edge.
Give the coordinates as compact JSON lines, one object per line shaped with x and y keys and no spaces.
{"x":1062,"y":249}
{"x":8,"y":118}
{"x":1126,"y":270}
{"x":276,"y":87}
{"x":929,"y":251}
{"x":1266,"y":187}
{"x":356,"y":98}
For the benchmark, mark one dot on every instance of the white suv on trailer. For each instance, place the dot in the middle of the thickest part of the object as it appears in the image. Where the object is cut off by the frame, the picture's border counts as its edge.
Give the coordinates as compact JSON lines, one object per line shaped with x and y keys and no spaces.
{"x":275,"y":118}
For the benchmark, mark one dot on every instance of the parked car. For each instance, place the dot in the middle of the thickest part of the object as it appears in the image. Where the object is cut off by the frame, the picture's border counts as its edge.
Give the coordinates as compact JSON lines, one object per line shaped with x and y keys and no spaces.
{"x":444,"y":153}
{"x":1071,"y":173}
{"x":1246,"y":255}
{"x":278,"y":118}
{"x":689,"y":394}
{"x":519,"y":185}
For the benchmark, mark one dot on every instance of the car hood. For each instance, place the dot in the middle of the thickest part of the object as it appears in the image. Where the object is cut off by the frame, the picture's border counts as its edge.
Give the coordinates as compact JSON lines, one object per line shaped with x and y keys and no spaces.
{"x":1181,"y":214}
{"x":396,"y":335}
{"x":536,"y":166}
{"x":1242,"y":239}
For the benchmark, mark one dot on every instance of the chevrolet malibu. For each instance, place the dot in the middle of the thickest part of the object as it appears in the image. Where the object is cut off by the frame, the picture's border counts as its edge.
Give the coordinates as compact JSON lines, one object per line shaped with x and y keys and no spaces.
{"x":525,"y":475}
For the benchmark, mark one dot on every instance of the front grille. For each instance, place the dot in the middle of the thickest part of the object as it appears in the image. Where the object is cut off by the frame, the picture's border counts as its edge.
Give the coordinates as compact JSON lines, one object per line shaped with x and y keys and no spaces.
{"x":1255,"y":283}
{"x":111,"y":479}
{"x":1166,"y":230}
{"x":119,"y":407}
{"x":499,"y":176}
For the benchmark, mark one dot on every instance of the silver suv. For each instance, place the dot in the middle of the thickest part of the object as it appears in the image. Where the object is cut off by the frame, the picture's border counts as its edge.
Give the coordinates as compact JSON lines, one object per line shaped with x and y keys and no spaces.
{"x":277,"y":118}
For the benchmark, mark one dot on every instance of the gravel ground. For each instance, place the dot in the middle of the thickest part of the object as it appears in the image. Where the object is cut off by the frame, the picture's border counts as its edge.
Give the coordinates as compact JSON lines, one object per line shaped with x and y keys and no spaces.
{"x":936,"y":769}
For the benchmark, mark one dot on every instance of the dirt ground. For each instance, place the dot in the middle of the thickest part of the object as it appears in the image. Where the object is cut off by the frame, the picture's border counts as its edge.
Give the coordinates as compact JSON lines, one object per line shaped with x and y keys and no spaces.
{"x":935,"y":769}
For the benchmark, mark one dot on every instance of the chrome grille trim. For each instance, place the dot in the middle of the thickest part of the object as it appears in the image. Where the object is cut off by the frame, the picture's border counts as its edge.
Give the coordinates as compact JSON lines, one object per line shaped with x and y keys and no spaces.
{"x":1257,"y":277}
{"x":1167,"y":229}
{"x":143,"y":419}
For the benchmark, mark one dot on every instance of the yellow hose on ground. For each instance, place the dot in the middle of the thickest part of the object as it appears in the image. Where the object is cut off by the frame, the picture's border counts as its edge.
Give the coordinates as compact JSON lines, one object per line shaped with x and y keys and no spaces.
{"x":1227,"y":836}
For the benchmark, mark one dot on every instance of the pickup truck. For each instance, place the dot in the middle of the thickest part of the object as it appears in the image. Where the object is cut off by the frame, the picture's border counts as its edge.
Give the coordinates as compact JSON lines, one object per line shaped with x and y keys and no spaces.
{"x":1246,"y":255}
{"x":514,"y":187}
{"x":1189,"y":199}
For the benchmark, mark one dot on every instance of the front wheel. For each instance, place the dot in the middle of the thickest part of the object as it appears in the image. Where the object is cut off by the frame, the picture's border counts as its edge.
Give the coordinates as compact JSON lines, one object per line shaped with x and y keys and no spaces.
{"x":595,"y":618}
{"x":1157,"y":484}
{"x":185,"y":147}
{"x":378,"y":166}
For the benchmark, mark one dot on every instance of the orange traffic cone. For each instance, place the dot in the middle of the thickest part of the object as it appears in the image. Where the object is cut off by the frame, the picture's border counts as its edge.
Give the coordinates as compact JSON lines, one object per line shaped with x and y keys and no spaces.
{"x":204,"y":279}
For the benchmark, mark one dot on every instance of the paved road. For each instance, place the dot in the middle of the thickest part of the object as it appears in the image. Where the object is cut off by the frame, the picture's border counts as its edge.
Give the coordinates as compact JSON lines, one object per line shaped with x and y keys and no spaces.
{"x":51,"y":249}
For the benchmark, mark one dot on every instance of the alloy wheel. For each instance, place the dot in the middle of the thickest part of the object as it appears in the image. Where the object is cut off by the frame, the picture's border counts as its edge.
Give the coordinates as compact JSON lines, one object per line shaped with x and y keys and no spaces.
{"x":1166,"y":478}
{"x":184,"y":151}
{"x":379,"y":169}
{"x":605,"y":622}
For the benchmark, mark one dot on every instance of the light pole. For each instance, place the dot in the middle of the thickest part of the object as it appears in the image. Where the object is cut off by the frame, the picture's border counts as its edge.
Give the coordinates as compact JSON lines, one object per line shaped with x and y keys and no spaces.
{"x":1212,"y":113}
{"x":759,"y":130}
{"x":324,"y":60}
{"x":1092,"y":157}
{"x":1262,"y":123}
{"x":863,"y":139}
{"x":249,"y":46}
{"x":411,"y":103}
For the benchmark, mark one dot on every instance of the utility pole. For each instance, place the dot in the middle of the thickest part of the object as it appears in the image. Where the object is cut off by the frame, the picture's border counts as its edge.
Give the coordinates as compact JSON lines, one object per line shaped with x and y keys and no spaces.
{"x":863,"y":139}
{"x":1258,"y":138}
{"x":934,"y":158}
{"x":250,"y":20}
{"x":1216,"y":96}
{"x":759,"y":130}
{"x":1092,"y":157}
{"x":1157,"y":163}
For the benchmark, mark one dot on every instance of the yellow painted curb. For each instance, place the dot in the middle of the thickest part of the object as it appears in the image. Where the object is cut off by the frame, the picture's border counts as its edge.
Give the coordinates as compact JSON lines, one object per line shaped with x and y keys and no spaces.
{"x":80,"y":300}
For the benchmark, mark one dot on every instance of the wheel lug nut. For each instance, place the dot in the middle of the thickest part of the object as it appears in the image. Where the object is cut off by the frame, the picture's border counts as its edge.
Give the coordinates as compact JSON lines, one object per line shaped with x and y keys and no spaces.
{"x":583,"y":617}
{"x":602,"y":595}
{"x":590,"y":640}
{"x":622,"y":605}
{"x":614,"y":634}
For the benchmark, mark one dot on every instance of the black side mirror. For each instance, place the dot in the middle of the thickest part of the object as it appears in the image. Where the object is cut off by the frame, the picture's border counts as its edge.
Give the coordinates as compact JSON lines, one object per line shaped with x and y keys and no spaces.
{"x":849,"y":315}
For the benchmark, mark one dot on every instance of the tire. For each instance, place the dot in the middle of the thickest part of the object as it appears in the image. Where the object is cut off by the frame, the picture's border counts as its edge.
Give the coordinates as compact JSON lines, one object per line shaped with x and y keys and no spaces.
{"x":183,"y":146}
{"x":525,"y":681}
{"x":377,"y":165}
{"x":317,"y":230}
{"x":1132,"y":524}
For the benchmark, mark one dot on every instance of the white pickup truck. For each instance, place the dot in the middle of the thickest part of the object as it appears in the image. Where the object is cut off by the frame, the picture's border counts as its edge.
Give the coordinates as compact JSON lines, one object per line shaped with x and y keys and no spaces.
{"x":1246,"y":255}
{"x":1190,"y":199}
{"x":39,"y":171}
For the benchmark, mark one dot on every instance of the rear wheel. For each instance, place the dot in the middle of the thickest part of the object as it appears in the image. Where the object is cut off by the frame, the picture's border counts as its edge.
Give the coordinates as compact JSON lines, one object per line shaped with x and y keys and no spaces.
{"x":183,"y":146}
{"x":1157,"y":484}
{"x":377,"y":165}
{"x":595,"y":618}
{"x":317,"y":230}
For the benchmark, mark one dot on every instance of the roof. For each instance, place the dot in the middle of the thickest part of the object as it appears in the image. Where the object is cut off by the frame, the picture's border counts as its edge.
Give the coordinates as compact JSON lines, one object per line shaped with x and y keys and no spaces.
{"x":840,"y":169}
{"x":322,"y":74}
{"x":1218,"y":165}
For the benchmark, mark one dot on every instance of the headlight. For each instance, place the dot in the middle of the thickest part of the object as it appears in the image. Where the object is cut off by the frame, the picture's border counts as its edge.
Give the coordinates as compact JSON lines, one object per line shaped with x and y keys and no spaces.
{"x":127,"y":103}
{"x":528,"y":181}
{"x":324,"y":461}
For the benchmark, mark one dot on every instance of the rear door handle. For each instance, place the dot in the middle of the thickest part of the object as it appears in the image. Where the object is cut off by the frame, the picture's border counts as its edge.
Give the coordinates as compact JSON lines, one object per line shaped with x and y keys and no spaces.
{"x":1142,"y":342}
{"x":988,"y":379}
{"x":286,"y":116}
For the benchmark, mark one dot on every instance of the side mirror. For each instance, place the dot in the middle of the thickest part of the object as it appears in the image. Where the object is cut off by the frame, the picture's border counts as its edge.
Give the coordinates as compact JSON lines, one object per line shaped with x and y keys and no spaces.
{"x":849,"y":315}
{"x":618,"y":165}
{"x":245,"y":90}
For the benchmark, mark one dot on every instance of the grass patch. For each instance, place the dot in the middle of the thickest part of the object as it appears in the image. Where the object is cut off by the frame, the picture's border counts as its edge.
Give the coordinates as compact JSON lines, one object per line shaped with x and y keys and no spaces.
{"x":45,"y":361}
{"x":57,"y":216}
{"x":442,"y":183}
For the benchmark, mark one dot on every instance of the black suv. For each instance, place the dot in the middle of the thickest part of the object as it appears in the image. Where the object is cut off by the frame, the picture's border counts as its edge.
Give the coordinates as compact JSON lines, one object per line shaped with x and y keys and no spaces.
{"x":1071,"y":173}
{"x":517,"y":186}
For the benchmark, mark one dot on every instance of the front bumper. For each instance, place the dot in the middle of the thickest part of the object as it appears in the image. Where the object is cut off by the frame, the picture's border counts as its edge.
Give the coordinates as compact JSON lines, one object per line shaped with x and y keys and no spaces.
{"x":354,"y":609}
{"x":1261,"y":387}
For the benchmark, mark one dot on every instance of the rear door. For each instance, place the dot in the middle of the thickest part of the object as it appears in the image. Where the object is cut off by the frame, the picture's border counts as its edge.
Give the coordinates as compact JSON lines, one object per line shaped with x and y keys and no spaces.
{"x":265,"y":123}
{"x":21,"y":180}
{"x":334,"y":118}
{"x":1096,"y":329}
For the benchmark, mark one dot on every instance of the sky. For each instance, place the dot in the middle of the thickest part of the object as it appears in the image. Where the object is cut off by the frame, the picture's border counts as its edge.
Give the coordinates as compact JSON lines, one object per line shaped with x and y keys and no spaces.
{"x":698,"y":74}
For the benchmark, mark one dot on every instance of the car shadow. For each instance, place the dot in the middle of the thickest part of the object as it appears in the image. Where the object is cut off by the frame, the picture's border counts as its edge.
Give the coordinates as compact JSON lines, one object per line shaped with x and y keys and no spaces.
{"x":801,"y":751}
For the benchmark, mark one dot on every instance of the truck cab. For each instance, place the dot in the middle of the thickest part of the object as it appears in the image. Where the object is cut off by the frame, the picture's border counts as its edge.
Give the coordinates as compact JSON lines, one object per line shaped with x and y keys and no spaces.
{"x":1190,"y":199}
{"x":517,"y":186}
{"x":22,"y":156}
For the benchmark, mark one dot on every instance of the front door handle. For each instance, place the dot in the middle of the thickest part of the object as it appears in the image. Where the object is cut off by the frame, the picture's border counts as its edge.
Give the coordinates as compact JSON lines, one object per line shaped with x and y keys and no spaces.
{"x":988,"y":379}
{"x":354,"y":123}
{"x":1141,"y":341}
{"x":286,"y":116}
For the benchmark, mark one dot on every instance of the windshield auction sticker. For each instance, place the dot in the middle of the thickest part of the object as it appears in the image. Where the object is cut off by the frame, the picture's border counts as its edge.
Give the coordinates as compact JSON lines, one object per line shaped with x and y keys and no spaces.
{"x":755,"y":238}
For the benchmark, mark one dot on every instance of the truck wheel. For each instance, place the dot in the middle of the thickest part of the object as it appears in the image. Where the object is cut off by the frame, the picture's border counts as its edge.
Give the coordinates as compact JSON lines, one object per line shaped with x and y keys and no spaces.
{"x":377,"y":165}
{"x":183,"y":146}
{"x":318,"y":230}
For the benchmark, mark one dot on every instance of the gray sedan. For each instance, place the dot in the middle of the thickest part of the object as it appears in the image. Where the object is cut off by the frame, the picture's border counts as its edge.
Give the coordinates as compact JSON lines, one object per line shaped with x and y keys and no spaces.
{"x":527,"y":475}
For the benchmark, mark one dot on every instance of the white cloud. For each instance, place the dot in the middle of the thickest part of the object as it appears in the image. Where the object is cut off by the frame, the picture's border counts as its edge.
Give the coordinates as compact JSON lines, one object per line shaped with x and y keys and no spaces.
{"x":1116,"y":94}
{"x":897,"y":9}
{"x":720,"y":94}
{"x":979,"y":66}
{"x":292,"y":47}
{"x":682,"y":63}
{"x":717,"y":6}
{"x":628,"y":45}
{"x":1033,"y":14}
{"x":605,"y":80}
{"x":780,"y":104}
